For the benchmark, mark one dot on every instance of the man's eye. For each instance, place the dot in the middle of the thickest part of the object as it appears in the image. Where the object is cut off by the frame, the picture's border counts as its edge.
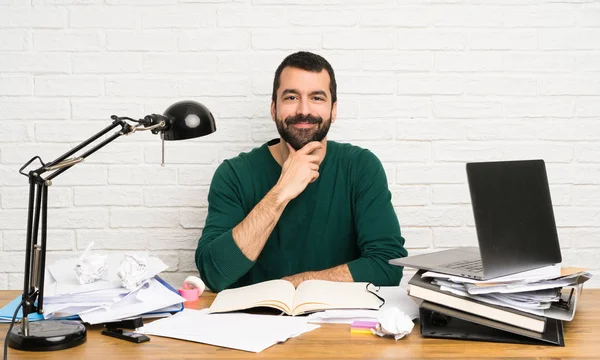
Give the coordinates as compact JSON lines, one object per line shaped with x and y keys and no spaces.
{"x":318,"y":98}
{"x":291,"y":97}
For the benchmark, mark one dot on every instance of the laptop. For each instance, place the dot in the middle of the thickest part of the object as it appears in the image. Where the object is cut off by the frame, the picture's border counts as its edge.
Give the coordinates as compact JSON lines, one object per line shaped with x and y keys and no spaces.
{"x":516,"y":230}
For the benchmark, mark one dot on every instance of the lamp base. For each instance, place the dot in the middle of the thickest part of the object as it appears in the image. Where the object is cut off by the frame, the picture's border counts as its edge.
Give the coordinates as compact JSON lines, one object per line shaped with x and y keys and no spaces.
{"x":48,"y":335}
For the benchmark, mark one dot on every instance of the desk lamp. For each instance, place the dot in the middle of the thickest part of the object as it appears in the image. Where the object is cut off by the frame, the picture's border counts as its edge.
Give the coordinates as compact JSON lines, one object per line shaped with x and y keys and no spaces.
{"x":182,"y":120}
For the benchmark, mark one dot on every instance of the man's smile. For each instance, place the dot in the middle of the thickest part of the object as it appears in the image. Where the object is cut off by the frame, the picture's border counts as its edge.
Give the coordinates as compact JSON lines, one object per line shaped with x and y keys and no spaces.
{"x":303,"y":125}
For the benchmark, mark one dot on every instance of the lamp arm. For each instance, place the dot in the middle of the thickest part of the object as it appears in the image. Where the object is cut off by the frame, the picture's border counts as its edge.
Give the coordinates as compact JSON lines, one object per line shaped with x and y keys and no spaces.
{"x":35,"y":254}
{"x":63,"y":161}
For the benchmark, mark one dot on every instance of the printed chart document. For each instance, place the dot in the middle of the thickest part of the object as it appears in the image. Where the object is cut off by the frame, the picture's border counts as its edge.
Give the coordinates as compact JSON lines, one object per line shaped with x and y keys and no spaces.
{"x":310,"y":296}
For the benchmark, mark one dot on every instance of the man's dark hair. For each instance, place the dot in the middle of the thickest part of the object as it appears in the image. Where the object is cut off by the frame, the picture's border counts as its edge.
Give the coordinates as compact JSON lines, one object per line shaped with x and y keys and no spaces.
{"x":306,"y":61}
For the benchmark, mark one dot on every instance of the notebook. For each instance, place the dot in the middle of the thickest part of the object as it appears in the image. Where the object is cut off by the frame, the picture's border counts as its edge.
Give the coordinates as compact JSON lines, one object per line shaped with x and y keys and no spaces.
{"x":310,"y":296}
{"x":514,"y":220}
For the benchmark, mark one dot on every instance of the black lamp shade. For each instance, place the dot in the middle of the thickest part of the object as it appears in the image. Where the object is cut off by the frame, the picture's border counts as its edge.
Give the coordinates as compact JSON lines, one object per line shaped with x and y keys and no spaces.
{"x":187,"y":120}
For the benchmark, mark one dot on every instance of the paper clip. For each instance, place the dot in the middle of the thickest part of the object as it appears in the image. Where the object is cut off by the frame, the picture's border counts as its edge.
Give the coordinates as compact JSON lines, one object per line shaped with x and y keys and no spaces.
{"x":565,"y":304}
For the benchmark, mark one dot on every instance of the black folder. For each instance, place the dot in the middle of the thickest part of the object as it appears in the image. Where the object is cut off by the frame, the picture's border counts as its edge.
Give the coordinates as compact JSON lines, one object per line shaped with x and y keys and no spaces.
{"x":438,"y":321}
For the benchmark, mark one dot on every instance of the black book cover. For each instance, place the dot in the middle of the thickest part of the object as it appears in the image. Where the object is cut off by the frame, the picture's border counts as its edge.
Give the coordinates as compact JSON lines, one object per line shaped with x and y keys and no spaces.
{"x":438,"y":321}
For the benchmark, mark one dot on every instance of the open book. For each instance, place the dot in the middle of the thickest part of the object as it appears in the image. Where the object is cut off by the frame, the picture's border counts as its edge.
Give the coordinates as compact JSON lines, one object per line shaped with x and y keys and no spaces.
{"x":310,"y":296}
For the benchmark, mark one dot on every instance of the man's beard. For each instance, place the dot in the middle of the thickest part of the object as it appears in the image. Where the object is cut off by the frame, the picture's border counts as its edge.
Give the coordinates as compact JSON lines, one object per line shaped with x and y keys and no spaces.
{"x":298,"y":137}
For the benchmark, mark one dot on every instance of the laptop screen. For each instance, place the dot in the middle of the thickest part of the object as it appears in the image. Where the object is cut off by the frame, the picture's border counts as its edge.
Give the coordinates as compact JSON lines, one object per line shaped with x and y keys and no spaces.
{"x":513,"y":214}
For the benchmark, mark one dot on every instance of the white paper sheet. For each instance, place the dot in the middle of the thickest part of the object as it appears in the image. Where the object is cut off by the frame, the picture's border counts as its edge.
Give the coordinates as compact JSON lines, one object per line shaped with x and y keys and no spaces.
{"x":65,"y":277}
{"x":574,"y":279}
{"x":537,"y":296}
{"x":547,"y":272}
{"x":149,"y":298}
{"x":342,"y":316}
{"x":545,"y":310}
{"x":487,"y":298}
{"x":107,"y":295}
{"x":395,"y":296}
{"x":240,"y":331}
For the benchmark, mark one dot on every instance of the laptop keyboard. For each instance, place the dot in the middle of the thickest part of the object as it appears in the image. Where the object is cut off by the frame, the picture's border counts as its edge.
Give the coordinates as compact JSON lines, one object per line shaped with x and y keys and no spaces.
{"x":470,"y":265}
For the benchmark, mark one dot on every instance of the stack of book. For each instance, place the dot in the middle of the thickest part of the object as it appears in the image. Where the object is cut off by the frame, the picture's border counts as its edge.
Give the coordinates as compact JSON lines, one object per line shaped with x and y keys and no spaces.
{"x":521,"y":310}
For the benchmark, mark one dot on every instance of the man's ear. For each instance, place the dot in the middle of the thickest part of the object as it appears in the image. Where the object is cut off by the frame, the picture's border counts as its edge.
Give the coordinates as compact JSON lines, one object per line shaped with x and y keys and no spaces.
{"x":333,"y":112}
{"x":273,"y":111}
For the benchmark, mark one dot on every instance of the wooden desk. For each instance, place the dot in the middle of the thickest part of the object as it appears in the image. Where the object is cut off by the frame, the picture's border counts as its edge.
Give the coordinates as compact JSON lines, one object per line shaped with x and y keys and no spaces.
{"x":334,"y":341}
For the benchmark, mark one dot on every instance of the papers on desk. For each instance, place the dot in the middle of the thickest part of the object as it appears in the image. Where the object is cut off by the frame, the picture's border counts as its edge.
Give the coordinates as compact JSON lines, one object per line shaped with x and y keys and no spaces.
{"x":246,"y":332}
{"x":64,"y":278}
{"x":516,"y":287}
{"x":547,"y":272}
{"x":554,"y":296}
{"x":342,"y":316}
{"x":155,"y":298}
{"x":106,"y":300}
{"x":537,"y":299}
{"x":102,"y":300}
{"x":152,"y":296}
{"x":255,"y":333}
{"x":394,"y":296}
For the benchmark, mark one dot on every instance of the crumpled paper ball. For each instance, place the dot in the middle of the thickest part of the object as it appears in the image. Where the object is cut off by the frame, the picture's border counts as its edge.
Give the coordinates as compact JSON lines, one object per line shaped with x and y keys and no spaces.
{"x":90,"y":268}
{"x":392,"y":321}
{"x":133,"y":271}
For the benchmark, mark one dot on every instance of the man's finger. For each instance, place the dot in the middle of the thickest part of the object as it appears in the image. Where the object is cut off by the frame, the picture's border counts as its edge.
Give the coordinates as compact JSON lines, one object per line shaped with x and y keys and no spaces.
{"x":310,"y":147}
{"x":290,"y":148}
{"x":314,"y":159}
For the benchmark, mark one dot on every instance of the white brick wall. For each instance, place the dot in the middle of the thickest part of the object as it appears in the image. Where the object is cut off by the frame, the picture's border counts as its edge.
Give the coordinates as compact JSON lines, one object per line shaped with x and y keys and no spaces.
{"x":426,"y":84}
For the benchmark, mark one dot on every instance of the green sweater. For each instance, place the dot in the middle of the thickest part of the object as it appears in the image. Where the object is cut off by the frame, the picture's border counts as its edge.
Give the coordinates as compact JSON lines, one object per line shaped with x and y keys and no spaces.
{"x":345,"y":216}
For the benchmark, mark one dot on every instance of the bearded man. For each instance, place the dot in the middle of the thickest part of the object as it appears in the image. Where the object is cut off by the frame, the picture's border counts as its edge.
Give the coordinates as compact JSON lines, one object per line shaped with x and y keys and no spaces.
{"x":300,"y":207}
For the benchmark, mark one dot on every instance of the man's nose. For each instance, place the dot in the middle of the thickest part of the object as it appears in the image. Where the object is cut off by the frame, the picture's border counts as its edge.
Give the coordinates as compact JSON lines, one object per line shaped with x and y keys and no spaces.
{"x":303,"y":107}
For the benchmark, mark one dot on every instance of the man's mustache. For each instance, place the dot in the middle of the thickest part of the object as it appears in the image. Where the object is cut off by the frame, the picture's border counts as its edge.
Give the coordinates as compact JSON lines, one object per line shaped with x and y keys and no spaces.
{"x":307,"y":119}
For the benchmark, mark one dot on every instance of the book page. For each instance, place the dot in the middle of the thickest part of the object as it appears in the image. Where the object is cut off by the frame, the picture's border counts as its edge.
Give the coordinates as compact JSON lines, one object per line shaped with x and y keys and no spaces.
{"x":278,"y":294}
{"x":312,"y":295}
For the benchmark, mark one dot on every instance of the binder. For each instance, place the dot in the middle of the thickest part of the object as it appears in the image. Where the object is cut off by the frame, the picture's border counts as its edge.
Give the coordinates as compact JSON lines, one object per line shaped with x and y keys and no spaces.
{"x":437,"y":321}
{"x":423,"y":289}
